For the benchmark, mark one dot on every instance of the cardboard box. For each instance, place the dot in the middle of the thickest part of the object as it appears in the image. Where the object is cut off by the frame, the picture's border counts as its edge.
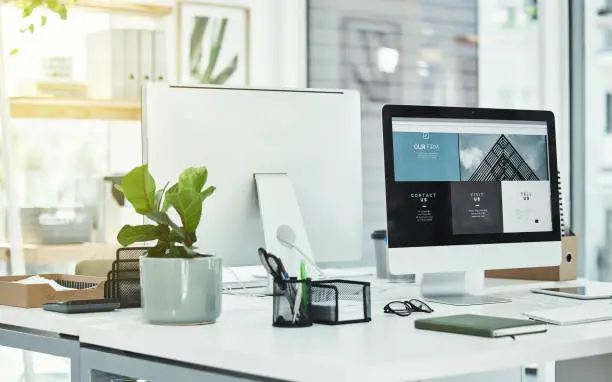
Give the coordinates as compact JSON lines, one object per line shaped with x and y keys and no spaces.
{"x":568,"y":270}
{"x":34,"y":296}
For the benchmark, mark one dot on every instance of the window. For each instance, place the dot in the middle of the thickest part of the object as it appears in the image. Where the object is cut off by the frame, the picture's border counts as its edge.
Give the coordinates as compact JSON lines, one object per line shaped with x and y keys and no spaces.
{"x":447,"y":52}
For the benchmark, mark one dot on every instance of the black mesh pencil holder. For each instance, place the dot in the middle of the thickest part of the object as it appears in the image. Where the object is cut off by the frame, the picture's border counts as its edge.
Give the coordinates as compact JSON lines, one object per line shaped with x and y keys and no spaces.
{"x":291,"y":303}
{"x":335,"y":302}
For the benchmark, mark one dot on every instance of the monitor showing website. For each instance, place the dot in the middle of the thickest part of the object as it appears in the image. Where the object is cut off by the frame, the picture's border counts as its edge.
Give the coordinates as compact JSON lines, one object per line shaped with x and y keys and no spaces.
{"x":469,"y":182}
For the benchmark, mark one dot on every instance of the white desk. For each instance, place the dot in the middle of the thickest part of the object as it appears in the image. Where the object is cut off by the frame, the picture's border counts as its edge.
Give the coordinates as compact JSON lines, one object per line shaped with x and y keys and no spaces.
{"x":243,"y":343}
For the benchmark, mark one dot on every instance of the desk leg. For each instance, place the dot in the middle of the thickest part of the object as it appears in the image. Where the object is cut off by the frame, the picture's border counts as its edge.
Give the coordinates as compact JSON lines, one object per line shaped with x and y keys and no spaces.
{"x":546,"y":372}
{"x":41,"y":342}
{"x":28,"y":366}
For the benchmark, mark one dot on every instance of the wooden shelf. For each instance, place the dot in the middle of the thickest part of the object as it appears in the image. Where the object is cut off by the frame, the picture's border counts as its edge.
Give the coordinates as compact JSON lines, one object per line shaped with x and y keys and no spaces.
{"x":117,"y":6}
{"x":124,"y":7}
{"x":60,"y":108}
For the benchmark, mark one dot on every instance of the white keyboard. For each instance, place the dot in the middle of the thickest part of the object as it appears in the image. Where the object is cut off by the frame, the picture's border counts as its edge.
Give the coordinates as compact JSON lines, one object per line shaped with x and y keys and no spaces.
{"x":573,"y":315}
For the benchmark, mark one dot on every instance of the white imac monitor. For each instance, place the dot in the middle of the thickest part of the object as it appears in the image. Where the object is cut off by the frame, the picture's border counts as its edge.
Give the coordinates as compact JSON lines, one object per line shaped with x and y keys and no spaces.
{"x":468,"y":190}
{"x":309,"y":141}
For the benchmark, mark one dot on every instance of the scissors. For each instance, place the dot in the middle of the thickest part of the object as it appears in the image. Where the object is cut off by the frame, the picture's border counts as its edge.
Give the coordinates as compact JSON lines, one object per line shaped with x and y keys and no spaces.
{"x":273,"y":265}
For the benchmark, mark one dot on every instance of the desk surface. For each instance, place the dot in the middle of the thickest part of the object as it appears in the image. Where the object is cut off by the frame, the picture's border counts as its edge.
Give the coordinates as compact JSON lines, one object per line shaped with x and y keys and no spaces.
{"x":388,"y":348}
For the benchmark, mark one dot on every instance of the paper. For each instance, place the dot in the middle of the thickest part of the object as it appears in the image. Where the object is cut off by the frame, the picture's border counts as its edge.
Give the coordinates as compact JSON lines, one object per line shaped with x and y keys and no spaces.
{"x":34,"y":280}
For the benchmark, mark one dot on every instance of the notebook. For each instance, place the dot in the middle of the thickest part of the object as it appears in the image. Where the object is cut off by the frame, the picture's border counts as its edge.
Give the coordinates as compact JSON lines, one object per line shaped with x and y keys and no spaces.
{"x":573,"y":315}
{"x":481,"y":326}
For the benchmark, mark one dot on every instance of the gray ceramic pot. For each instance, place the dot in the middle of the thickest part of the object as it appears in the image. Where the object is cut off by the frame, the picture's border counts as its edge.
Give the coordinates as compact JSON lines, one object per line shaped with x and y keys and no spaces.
{"x":181,"y":291}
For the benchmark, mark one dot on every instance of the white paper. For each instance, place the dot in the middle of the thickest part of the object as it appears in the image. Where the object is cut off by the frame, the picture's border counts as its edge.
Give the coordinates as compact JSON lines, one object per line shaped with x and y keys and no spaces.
{"x":35,"y":280}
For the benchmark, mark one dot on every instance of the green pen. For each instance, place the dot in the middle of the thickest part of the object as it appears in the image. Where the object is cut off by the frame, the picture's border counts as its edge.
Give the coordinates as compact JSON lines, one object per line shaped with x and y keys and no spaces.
{"x":304,"y":276}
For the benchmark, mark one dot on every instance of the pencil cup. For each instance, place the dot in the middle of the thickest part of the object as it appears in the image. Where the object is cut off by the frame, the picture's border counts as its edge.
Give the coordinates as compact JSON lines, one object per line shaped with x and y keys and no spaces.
{"x":291,"y":303}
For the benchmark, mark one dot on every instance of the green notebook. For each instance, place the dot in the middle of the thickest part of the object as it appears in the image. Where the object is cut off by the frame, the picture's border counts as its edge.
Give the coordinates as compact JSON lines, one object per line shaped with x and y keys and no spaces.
{"x":482,"y":326}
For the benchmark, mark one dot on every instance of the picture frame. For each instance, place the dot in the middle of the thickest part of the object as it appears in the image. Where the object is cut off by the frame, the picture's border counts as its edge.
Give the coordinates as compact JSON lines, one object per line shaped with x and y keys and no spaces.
{"x":213,"y":44}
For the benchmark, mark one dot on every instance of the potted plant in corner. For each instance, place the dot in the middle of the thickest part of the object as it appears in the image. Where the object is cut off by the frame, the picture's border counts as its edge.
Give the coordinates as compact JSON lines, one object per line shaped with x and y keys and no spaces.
{"x":178,"y":284}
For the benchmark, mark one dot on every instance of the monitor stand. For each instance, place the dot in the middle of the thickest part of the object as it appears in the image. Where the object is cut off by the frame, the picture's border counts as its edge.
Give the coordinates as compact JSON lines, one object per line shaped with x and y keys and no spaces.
{"x":450,"y":289}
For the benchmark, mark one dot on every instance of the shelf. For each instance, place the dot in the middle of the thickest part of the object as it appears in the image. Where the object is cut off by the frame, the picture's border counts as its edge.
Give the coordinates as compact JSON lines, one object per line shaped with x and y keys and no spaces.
{"x":115,"y":6}
{"x":61,"y":108}
{"x":124,"y":7}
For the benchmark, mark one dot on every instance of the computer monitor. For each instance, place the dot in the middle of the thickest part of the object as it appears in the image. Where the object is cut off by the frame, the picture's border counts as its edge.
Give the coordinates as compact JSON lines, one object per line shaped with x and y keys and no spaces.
{"x":469,"y":189}
{"x":308,"y":141}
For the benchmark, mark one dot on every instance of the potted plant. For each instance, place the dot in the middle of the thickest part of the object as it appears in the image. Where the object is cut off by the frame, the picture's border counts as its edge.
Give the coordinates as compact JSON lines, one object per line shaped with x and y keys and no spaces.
{"x":178,"y":284}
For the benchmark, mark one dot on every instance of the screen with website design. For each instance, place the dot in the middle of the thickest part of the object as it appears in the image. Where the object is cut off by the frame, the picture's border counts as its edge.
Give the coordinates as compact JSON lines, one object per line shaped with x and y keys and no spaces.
{"x":456,"y":178}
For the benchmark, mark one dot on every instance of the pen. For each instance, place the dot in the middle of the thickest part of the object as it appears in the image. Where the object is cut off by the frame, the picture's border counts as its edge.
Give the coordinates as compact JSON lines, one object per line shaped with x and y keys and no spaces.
{"x":304,"y":276}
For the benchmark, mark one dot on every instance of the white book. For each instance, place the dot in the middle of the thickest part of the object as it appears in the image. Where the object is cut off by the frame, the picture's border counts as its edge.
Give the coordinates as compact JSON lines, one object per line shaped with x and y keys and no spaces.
{"x":146,"y":57}
{"x":106,"y":64}
{"x":117,"y":65}
{"x":132,"y":64}
{"x":159,"y":56}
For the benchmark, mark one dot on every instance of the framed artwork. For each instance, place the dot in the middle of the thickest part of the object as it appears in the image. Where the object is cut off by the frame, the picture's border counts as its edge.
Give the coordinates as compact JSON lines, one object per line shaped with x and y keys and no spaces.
{"x":213,"y":44}
{"x":370,"y":58}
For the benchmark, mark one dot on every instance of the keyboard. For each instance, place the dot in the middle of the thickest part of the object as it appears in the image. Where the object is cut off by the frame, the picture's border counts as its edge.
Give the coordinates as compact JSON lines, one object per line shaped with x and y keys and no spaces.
{"x":573,"y":315}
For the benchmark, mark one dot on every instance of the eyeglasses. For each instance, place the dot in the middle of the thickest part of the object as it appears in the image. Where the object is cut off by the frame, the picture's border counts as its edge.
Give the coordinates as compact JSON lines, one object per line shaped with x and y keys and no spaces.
{"x":406,"y":308}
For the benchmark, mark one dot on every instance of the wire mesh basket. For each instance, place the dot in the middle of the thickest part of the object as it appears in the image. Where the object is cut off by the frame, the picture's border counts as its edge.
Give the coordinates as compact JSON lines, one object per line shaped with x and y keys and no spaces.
{"x":335,"y":302}
{"x":123,"y":281}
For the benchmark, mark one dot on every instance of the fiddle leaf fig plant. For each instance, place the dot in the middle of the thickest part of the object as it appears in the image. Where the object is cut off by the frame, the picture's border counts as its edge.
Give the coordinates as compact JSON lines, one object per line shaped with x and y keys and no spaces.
{"x":186,"y":197}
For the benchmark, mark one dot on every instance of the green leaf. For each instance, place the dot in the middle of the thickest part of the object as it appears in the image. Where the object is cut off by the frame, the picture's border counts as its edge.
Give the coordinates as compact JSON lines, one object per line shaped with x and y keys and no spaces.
{"x":27,"y":11}
{"x":176,"y":237}
{"x":208,"y":192}
{"x":62,"y":11}
{"x":215,"y":49}
{"x":14,"y":52}
{"x":188,"y":204}
{"x":158,"y":197}
{"x":139,"y":189}
{"x":163,"y":218}
{"x":43,"y":21}
{"x":194,"y":178}
{"x":196,"y":44}
{"x":31,"y":28}
{"x":159,"y":250}
{"x":179,"y":252}
{"x":133,"y":234}
{"x":226,"y":73}
{"x":171,"y":190}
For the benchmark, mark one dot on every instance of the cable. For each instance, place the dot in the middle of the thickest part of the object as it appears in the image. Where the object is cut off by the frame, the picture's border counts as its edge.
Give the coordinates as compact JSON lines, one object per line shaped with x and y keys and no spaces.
{"x":239,"y":281}
{"x":314,"y":265}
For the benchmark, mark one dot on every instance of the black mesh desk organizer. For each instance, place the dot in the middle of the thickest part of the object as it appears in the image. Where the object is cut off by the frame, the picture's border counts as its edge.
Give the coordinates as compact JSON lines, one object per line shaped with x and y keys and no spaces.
{"x":123,"y":280}
{"x":76,"y":284}
{"x":335,"y":302}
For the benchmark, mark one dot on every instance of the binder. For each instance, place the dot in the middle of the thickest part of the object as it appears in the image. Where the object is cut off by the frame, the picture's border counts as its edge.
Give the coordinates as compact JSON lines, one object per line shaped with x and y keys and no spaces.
{"x":146,"y":57}
{"x":132,"y":64}
{"x":159,"y":56}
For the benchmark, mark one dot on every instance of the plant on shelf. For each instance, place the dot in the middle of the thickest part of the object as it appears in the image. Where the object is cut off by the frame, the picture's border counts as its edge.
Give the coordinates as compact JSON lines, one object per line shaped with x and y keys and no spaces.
{"x":33,"y":9}
{"x":28,"y":7}
{"x":186,"y":197}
